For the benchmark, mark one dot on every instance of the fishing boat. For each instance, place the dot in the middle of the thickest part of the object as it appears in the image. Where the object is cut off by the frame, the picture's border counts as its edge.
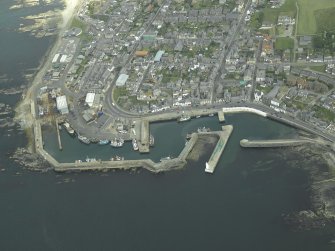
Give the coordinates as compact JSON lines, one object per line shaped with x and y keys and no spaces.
{"x":68,"y":128}
{"x":165,"y":158}
{"x":91,"y":159}
{"x":135,"y":145}
{"x":117,"y":142}
{"x":151,"y":140}
{"x":84,"y":140}
{"x":184,"y":118}
{"x":103,"y":142}
{"x":117,"y":158}
{"x":203,"y":129}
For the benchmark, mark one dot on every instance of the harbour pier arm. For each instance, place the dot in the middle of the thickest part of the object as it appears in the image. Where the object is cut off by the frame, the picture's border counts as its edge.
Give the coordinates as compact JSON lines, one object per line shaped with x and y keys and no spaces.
{"x":275,"y":142}
{"x":219,"y":148}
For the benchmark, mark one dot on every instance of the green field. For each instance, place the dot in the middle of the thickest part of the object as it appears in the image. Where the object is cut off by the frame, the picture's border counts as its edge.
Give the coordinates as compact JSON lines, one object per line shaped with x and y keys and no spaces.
{"x":271,"y":15}
{"x":315,"y":16}
{"x":283,"y":43}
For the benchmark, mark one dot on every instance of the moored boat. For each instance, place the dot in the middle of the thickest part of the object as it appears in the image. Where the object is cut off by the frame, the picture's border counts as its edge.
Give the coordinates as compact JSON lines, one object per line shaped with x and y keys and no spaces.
{"x":103,"y":142}
{"x":203,"y":129}
{"x":165,"y":158}
{"x":135,"y":145}
{"x":151,"y":140}
{"x":184,"y":118}
{"x":117,"y":142}
{"x":117,"y":158}
{"x":68,"y":128}
{"x":83,"y":139}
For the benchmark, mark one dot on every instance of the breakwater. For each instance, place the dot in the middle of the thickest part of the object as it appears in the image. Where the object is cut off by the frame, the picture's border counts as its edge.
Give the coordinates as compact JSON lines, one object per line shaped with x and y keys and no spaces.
{"x":219,"y":148}
{"x":274,"y":142}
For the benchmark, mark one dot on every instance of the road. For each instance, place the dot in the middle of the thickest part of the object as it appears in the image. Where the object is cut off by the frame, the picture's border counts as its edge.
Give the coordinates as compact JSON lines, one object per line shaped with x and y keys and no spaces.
{"x":216,"y":73}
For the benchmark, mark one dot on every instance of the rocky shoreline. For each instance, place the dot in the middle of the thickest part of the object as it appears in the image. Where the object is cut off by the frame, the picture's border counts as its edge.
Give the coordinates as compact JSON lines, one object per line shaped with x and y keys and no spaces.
{"x":30,"y":161}
{"x":321,"y":171}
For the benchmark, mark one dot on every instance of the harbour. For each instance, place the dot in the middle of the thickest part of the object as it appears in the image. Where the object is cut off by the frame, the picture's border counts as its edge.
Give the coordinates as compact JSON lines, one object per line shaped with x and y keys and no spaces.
{"x":96,"y":210}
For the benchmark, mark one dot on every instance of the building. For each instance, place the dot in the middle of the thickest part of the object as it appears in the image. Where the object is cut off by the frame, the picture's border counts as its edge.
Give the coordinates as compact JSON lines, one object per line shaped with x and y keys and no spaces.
{"x":141,"y":53}
{"x":285,"y":20}
{"x":122,"y":79}
{"x":305,"y":40}
{"x":158,"y":56}
{"x":90,"y":99}
{"x":63,"y":59}
{"x":55,"y":58}
{"x":62,"y":105}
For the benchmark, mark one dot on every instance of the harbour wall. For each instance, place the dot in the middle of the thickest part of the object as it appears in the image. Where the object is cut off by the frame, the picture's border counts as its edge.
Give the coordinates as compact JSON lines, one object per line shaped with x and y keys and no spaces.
{"x":274,"y":143}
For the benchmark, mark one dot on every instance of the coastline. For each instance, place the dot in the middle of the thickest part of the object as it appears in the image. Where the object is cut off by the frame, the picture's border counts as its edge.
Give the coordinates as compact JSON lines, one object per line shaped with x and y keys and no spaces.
{"x":23,"y":112}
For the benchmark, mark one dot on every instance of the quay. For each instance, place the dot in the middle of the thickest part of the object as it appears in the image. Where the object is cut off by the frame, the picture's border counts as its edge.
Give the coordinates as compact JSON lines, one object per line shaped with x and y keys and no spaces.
{"x":221,"y":116}
{"x":143,"y":145}
{"x":274,"y":142}
{"x":58,"y":135}
{"x":218,"y":150}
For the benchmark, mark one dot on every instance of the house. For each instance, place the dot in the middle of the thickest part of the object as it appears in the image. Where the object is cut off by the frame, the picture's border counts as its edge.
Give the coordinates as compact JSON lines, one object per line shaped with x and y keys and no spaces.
{"x":260,"y":75}
{"x":305,"y":40}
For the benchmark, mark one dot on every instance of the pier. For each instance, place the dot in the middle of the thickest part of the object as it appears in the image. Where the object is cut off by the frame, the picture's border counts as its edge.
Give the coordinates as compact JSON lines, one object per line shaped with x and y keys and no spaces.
{"x":219,"y":148}
{"x":274,"y":142}
{"x":58,"y":135}
{"x":144,"y":139}
{"x":221,"y":116}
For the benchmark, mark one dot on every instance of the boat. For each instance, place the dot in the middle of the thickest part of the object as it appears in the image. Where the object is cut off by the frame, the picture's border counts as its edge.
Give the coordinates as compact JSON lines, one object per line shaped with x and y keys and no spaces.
{"x":117,"y":142}
{"x":117,"y":158}
{"x":103,"y":142}
{"x":84,"y":140}
{"x":211,"y":115}
{"x":91,"y":159}
{"x":198,"y":116}
{"x":135,"y":145}
{"x":183,"y":118}
{"x":188,"y":136}
{"x":68,"y":128}
{"x":151,"y":140}
{"x":203,"y":129}
{"x":165,"y":158}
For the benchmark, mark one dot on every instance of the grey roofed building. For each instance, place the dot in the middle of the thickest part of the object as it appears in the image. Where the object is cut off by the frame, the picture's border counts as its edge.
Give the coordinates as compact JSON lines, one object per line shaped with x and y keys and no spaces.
{"x":305,"y":40}
{"x":62,"y":105}
{"x":122,"y":79}
{"x":158,"y":56}
{"x":179,"y":46}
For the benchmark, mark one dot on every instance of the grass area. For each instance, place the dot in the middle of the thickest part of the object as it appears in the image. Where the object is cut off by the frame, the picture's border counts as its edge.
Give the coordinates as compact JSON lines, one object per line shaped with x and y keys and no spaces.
{"x":77,"y":23}
{"x":119,"y":92}
{"x":271,"y":15}
{"x":284,"y":43}
{"x":325,"y":19}
{"x":265,"y":89}
{"x":319,"y":68}
{"x":315,"y":16}
{"x":324,"y":114}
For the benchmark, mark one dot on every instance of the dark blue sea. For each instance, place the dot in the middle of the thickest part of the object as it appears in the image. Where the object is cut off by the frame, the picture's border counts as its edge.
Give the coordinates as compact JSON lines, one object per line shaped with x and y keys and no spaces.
{"x":240,"y":207}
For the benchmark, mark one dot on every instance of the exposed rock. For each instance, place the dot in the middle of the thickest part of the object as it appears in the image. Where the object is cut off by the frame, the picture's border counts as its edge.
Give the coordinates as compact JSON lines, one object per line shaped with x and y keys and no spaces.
{"x":29,"y":160}
{"x":321,"y":170}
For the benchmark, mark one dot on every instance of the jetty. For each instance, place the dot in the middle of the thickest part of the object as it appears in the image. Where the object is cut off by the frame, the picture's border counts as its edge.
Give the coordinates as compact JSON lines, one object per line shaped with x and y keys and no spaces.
{"x":274,"y":142}
{"x":143,"y":145}
{"x":221,"y":116}
{"x":219,"y":148}
{"x":58,"y":135}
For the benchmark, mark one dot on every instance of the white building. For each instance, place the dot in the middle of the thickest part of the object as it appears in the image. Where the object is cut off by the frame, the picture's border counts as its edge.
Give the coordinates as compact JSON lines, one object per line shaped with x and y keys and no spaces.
{"x":122,"y":79}
{"x":55,"y":58}
{"x":62,"y":105}
{"x":90,"y":99}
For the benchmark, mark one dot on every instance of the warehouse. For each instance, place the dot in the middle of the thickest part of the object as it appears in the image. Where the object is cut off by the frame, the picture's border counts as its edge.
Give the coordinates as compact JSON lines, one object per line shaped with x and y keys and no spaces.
{"x":122,"y":79}
{"x":62,"y":105}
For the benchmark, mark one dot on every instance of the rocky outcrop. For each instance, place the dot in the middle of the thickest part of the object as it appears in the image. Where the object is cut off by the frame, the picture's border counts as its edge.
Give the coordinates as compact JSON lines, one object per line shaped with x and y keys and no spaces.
{"x":29,"y":160}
